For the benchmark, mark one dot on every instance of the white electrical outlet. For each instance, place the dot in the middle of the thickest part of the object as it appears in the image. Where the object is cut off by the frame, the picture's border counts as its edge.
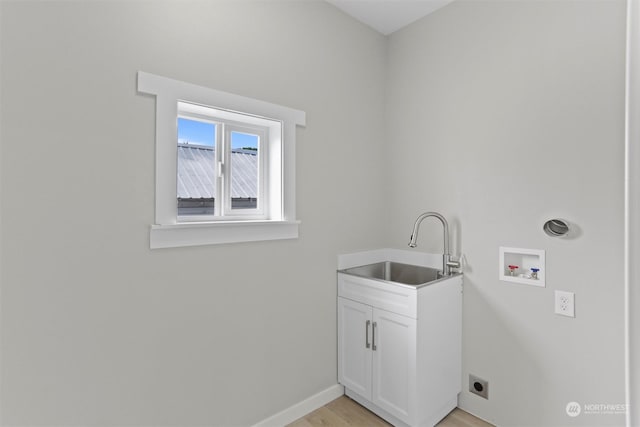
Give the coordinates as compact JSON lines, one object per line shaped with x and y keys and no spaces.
{"x":565,"y":303}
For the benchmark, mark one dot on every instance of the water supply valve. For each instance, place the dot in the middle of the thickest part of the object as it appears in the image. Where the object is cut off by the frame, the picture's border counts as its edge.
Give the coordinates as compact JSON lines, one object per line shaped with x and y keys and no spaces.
{"x":534,"y":273}
{"x":512,"y":269}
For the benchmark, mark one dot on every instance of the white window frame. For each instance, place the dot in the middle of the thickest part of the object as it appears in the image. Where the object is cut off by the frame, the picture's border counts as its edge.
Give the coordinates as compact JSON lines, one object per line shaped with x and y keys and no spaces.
{"x":269,"y":139}
{"x":279,"y":223}
{"x":262,"y":210}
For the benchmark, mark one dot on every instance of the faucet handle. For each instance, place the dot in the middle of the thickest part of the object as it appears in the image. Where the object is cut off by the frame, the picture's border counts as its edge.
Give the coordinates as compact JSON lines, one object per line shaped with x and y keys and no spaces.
{"x":451,"y":263}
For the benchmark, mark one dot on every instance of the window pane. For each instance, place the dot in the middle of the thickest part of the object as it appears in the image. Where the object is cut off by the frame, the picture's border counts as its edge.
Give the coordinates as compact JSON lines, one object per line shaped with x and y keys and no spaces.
{"x":196,"y":167}
{"x":244,"y":170}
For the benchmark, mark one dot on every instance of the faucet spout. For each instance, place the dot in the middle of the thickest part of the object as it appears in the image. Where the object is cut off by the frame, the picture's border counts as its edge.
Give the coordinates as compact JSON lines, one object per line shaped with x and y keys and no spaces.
{"x":446,"y":256}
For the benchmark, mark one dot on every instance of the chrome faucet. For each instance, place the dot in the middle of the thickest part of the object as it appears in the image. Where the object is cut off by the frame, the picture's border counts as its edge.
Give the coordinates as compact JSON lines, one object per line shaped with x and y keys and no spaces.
{"x":447,"y":263}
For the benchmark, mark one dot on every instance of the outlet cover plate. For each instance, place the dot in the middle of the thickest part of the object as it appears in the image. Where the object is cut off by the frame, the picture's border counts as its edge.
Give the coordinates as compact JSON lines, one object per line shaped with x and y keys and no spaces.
{"x":565,"y":303}
{"x":479,"y":386}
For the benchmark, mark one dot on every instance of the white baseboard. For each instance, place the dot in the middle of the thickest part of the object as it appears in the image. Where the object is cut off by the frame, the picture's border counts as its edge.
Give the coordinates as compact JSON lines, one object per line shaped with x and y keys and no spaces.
{"x":301,"y":409}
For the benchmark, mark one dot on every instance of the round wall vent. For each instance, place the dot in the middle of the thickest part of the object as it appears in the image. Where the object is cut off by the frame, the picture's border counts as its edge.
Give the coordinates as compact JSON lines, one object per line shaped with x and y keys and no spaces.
{"x":556,"y":227}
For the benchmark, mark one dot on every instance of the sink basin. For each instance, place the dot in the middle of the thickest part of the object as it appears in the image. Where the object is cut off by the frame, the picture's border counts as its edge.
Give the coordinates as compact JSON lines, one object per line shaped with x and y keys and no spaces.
{"x":390,"y":271}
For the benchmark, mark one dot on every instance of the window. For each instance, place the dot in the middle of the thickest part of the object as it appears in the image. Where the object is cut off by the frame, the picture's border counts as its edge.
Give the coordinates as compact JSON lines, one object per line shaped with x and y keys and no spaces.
{"x":224,"y":156}
{"x":225,"y":167}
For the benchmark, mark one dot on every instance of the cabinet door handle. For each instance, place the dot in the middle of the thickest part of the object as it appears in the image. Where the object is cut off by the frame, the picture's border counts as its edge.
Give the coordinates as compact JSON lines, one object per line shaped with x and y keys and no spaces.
{"x":366,"y":334}
{"x":373,"y":337}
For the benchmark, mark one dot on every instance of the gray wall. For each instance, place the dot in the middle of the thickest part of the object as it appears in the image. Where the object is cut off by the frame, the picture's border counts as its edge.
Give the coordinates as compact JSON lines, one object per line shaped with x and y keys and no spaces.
{"x":501,"y":115}
{"x":96,"y":328}
{"x":633,"y":208}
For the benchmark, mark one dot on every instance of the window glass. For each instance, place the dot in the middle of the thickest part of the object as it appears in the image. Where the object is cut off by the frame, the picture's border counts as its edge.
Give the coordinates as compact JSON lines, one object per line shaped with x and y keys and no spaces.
{"x":245,"y":168}
{"x":196,"y":188}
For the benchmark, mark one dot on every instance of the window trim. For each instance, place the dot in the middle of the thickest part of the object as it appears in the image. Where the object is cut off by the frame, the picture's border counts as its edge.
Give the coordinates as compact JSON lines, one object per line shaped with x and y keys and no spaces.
{"x":167,"y":231}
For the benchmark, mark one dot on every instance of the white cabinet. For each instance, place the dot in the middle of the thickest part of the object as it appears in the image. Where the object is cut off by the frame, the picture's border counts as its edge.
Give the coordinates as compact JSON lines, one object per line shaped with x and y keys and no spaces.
{"x":394,"y":364}
{"x":399,"y":347}
{"x":354,"y":346}
{"x":377,"y":353}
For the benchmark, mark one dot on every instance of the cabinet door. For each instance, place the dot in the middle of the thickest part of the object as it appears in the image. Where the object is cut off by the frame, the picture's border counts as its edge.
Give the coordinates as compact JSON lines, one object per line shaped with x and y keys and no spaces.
{"x":354,"y":346}
{"x":394,"y":364}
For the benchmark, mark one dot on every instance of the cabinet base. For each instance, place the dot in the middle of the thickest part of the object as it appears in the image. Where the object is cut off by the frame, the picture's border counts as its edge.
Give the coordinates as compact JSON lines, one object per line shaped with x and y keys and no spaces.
{"x":432,"y":421}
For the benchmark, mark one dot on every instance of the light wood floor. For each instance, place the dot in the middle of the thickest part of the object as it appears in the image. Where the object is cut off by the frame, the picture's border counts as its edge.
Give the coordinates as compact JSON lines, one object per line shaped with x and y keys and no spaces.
{"x":344,"y":412}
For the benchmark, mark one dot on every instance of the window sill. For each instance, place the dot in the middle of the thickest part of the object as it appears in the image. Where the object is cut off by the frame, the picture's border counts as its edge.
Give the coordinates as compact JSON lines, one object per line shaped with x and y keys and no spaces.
{"x":215,"y":233}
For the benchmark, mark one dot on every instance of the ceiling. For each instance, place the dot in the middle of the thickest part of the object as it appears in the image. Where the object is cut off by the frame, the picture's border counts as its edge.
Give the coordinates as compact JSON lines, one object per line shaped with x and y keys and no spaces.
{"x":387,"y":16}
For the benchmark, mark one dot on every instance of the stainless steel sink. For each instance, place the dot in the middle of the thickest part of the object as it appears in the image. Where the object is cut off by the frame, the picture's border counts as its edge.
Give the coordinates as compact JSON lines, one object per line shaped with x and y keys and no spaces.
{"x":390,"y":271}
